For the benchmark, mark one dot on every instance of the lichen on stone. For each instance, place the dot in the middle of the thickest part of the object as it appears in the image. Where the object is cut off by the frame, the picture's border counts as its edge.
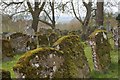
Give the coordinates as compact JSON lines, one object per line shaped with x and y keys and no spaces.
{"x":38,"y":63}
{"x":92,"y":35}
{"x":102,"y":49}
{"x":75,"y":59}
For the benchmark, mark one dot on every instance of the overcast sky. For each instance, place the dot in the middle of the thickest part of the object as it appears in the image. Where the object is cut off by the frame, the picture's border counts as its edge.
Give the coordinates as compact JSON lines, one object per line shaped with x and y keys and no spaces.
{"x":108,"y":8}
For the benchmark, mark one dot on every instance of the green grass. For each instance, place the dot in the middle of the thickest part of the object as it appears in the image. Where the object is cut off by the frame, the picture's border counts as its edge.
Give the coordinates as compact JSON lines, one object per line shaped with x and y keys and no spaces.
{"x":8,"y":65}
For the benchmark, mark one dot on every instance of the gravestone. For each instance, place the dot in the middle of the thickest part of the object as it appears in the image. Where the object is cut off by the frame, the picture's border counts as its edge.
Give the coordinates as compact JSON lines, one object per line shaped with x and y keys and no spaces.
{"x":5,"y":75}
{"x":57,"y":31}
{"x":115,"y":37}
{"x":52,"y":38}
{"x":29,"y":31}
{"x":31,"y":43}
{"x":43,"y":40}
{"x":72,"y":33}
{"x":118,"y":19}
{"x":19,"y":42}
{"x":15,"y":35}
{"x":7,"y":51}
{"x":75,"y":65}
{"x":100,"y":50}
{"x":64,"y":32}
{"x":39,"y":63}
{"x":48,"y":31}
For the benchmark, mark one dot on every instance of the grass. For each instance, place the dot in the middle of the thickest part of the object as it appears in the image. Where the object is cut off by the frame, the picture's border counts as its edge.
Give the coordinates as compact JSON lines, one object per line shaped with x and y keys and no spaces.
{"x":8,"y":65}
{"x":111,"y":73}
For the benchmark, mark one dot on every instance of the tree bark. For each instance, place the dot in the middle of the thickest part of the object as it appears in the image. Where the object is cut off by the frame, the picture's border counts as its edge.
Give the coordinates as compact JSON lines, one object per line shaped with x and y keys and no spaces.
{"x":35,"y":22}
{"x":100,"y":13}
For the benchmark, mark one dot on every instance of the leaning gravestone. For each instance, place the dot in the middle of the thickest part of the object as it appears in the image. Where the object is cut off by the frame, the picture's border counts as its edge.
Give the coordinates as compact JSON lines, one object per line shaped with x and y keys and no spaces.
{"x":76,"y":65}
{"x":7,"y":51}
{"x":100,"y":50}
{"x":39,"y":63}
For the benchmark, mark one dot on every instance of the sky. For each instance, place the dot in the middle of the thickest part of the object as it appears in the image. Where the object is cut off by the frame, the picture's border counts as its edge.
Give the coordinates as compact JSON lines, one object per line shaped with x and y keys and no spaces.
{"x":66,"y":16}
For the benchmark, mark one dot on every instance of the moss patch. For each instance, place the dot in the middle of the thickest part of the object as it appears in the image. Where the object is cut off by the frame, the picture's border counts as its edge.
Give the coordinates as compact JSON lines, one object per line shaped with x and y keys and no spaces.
{"x":75,"y":59}
{"x":39,"y":63}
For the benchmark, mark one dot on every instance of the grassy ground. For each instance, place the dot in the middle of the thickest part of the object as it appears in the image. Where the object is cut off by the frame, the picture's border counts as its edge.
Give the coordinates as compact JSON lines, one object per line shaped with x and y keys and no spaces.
{"x":8,"y":65}
{"x":113,"y":70}
{"x":111,"y":73}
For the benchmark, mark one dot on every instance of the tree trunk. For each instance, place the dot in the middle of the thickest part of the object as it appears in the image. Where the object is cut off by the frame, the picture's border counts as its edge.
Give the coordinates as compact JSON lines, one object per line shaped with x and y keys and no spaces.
{"x":35,"y":22}
{"x":100,"y":13}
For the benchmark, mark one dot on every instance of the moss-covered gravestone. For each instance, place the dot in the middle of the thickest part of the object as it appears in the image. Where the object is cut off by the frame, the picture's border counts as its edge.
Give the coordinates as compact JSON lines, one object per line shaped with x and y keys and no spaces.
{"x":52,"y":38}
{"x":7,"y":51}
{"x":43,"y":40}
{"x":15,"y":35}
{"x":5,"y":75}
{"x":75,"y":65}
{"x":39,"y":63}
{"x":100,"y":50}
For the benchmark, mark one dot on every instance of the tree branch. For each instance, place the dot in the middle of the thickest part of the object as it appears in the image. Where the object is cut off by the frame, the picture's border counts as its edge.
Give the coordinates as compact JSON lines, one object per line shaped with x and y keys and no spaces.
{"x":11,"y":3}
{"x":75,"y":13}
{"x":45,"y":22}
{"x":30,"y":7}
{"x":47,"y":15}
{"x":18,"y":12}
{"x":41,"y":8}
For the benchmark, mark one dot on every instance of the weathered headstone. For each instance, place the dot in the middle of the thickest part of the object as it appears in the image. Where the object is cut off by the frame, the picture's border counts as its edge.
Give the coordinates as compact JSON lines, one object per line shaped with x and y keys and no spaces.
{"x":115,"y":37}
{"x":118,"y":27}
{"x":31,"y":43}
{"x":5,"y":75}
{"x":7,"y":51}
{"x":43,"y":40}
{"x":57,"y":31}
{"x":39,"y":63}
{"x":29,"y":31}
{"x":100,"y":50}
{"x":76,"y":65}
{"x":19,"y":42}
{"x":52,"y":38}
{"x":64,"y":32}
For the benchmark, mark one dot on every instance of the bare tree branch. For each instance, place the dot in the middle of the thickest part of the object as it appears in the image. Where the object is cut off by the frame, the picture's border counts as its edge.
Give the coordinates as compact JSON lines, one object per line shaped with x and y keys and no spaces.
{"x":47,"y":15}
{"x":18,"y":12}
{"x":75,"y":13}
{"x":30,"y":7}
{"x":11,"y":3}
{"x":45,"y":22}
{"x":41,"y":8}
